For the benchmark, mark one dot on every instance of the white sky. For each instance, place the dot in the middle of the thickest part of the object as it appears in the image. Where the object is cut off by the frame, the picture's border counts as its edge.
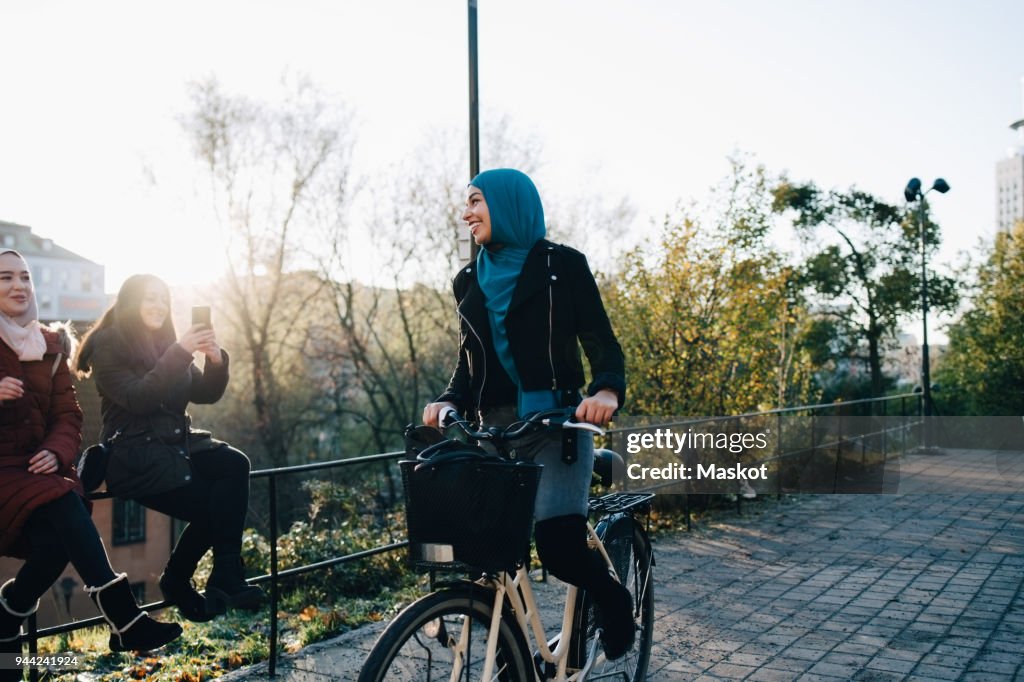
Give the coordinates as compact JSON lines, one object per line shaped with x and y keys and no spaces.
{"x":638,"y":98}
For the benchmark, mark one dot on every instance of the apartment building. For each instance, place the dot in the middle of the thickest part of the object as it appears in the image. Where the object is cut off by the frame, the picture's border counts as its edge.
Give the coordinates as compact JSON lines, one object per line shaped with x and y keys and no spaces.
{"x":1010,"y":181}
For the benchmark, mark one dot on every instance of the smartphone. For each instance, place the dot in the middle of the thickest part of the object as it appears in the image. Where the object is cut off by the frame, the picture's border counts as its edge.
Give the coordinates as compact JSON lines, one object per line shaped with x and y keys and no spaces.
{"x":201,"y":315}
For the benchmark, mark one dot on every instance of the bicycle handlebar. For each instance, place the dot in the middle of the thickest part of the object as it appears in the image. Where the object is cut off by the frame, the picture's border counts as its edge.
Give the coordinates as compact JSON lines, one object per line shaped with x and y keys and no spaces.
{"x":558,"y":418}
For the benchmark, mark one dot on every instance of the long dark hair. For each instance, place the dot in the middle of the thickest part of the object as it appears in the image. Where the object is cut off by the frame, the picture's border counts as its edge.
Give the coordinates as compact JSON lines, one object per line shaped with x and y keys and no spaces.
{"x":144,"y":345}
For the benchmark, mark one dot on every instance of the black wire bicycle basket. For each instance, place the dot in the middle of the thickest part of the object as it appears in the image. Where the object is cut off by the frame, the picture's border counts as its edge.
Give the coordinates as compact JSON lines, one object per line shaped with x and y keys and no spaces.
{"x":467,"y":509}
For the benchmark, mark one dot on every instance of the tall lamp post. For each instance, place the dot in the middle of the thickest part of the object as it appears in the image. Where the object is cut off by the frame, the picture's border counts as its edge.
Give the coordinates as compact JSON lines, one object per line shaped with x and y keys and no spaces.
{"x":467,"y":247}
{"x":913,"y":192}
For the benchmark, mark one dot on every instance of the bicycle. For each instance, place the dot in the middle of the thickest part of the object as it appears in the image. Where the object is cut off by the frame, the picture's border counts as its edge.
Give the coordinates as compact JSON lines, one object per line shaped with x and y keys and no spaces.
{"x":481,"y":629}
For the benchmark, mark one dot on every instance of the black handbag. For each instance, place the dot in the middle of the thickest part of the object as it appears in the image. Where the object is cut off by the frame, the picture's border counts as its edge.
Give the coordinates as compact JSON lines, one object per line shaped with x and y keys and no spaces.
{"x":92,"y":466}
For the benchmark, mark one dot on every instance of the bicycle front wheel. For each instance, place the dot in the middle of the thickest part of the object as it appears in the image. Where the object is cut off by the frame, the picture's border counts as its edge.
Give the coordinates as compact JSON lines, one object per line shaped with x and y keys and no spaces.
{"x":631,"y":555}
{"x":443,"y":636}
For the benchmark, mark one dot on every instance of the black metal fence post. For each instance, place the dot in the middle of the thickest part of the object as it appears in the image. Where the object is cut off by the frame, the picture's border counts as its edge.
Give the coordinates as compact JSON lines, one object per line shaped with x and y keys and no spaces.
{"x":839,"y":449}
{"x":33,"y":646}
{"x":885,"y":431}
{"x":272,"y":664}
{"x":778,"y":456}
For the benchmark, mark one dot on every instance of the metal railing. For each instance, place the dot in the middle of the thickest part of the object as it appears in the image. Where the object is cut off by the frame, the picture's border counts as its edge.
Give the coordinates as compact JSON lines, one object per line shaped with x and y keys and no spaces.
{"x":275,"y":576}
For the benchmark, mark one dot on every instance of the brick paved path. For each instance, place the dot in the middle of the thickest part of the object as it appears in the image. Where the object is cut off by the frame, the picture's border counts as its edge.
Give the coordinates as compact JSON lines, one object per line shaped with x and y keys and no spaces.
{"x":918,"y":586}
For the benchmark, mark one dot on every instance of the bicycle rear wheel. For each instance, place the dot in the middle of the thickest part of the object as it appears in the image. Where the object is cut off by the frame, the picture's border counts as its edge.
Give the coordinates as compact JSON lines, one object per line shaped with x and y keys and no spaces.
{"x":443,"y":630}
{"x":630,"y":552}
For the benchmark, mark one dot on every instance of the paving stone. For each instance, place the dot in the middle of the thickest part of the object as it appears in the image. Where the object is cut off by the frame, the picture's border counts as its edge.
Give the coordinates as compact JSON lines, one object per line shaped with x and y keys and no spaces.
{"x":857,"y":661}
{"x":855,"y":648}
{"x":880,"y":631}
{"x":1000,"y":656}
{"x":890,"y":665}
{"x":731,"y":671}
{"x":946,"y":660}
{"x":904,"y":653}
{"x":868,"y":675}
{"x":938,"y":672}
{"x":955,"y":650}
{"x":1002,"y":668}
{"x":1009,"y":646}
{"x":967,"y":637}
{"x":769,"y":675}
{"x":804,"y":653}
{"x":781,"y":640}
{"x":834,"y":669}
{"x":793,"y":665}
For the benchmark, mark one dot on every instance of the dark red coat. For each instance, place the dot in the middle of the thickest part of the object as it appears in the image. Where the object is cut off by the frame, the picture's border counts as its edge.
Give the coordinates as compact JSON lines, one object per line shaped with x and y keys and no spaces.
{"x":47,"y":417}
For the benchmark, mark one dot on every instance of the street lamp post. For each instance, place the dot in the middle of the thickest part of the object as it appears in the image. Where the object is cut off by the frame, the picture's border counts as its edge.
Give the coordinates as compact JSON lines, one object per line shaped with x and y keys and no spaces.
{"x":468,"y":247}
{"x":910,"y":193}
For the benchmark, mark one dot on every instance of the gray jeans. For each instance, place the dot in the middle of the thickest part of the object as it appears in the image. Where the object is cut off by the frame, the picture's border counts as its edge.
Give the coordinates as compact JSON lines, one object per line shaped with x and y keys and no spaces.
{"x":564,"y":488}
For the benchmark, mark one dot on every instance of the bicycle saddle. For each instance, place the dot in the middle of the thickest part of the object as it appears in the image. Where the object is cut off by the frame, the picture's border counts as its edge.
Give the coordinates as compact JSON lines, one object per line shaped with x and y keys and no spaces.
{"x":609,"y":466}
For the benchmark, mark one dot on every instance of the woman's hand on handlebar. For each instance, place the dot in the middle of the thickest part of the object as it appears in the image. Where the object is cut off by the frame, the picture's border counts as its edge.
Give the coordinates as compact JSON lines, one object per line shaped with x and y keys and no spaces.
{"x":598,"y":408}
{"x":433,"y":410}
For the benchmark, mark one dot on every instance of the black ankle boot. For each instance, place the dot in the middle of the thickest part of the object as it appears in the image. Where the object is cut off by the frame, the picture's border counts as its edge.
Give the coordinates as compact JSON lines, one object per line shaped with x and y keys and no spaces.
{"x":180,"y":592}
{"x":10,"y":629}
{"x":227,"y":588}
{"x":130,"y":628}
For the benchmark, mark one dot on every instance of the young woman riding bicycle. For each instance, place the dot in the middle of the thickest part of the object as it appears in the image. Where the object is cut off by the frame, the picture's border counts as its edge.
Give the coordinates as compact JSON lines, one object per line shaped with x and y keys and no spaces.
{"x":524,"y":308}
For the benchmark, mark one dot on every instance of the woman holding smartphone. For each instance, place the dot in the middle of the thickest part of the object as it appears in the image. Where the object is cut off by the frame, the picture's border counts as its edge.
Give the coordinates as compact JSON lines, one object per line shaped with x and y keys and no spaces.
{"x":146,"y":378}
{"x":44,"y":518}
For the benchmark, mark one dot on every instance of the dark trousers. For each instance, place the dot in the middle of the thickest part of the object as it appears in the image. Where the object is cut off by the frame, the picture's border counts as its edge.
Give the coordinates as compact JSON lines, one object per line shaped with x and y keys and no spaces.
{"x":214,"y":503}
{"x":562,"y":548}
{"x":58,"y":532}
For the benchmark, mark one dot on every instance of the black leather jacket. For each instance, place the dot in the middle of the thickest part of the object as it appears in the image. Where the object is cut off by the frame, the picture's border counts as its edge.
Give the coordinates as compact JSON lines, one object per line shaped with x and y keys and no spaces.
{"x":556,"y":302}
{"x":145,"y":405}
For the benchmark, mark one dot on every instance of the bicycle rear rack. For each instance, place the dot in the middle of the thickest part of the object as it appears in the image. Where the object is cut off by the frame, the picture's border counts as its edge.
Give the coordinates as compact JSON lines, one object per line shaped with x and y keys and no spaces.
{"x":614,"y":503}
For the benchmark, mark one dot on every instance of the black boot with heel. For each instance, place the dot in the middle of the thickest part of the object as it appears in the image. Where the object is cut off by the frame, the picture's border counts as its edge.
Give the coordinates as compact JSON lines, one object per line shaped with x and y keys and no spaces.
{"x":180,"y":591}
{"x":227,"y":588}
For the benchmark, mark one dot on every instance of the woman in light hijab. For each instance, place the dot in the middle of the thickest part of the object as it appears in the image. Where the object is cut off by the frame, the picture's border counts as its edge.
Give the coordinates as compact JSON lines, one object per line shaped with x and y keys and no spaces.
{"x":44,"y":517}
{"x":524,"y":309}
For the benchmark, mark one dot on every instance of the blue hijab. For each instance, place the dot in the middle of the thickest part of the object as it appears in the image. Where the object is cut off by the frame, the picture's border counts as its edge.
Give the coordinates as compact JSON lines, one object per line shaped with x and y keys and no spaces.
{"x":517,"y":223}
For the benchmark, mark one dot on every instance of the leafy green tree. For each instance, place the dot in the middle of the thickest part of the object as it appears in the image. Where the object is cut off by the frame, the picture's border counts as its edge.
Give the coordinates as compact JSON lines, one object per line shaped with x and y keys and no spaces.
{"x":983,"y":367}
{"x":864,"y":271}
{"x":708,"y":317}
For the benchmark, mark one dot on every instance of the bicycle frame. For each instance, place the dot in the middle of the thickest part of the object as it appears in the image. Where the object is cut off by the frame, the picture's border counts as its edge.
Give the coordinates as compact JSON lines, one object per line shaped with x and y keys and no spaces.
{"x":517,"y":590}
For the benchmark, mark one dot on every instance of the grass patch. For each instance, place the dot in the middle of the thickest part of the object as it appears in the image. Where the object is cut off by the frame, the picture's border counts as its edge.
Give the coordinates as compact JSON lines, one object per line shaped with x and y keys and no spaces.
{"x":206,"y":651}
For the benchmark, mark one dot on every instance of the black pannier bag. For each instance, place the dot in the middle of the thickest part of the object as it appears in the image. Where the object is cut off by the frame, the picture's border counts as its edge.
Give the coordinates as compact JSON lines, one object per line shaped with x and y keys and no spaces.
{"x":468,"y":509}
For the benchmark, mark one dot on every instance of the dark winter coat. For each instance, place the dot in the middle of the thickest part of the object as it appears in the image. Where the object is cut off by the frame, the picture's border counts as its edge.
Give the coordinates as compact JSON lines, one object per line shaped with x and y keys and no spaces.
{"x":144,"y":413}
{"x":556,"y":307}
{"x":46,"y":417}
